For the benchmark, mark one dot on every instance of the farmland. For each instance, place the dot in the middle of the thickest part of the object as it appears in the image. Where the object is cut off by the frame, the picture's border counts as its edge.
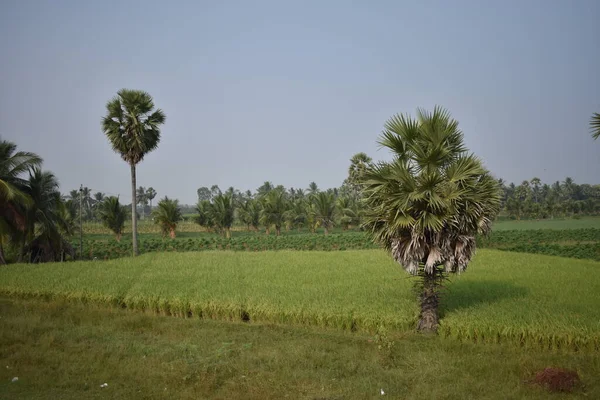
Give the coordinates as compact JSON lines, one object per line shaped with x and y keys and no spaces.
{"x":64,"y":350}
{"x":532,"y":300}
{"x":574,"y":243}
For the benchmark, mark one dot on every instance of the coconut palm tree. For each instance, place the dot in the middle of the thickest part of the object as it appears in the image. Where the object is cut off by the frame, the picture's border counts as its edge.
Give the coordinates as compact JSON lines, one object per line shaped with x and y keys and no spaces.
{"x":324,"y":204}
{"x":274,"y":206}
{"x":222,"y":212}
{"x":204,"y":216}
{"x":595,"y":125}
{"x":13,"y":196}
{"x":167,"y":215}
{"x":48,"y":223}
{"x":348,"y":212}
{"x":133,"y":129}
{"x":429,"y":202}
{"x":249,"y":213}
{"x":113,"y":215}
{"x":312,"y":188}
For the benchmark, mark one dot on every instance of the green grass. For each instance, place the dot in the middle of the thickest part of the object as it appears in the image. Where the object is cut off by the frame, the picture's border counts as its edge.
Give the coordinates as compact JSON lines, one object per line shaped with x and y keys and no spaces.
{"x":566,"y":223}
{"x":529,"y":299}
{"x":66,"y":351}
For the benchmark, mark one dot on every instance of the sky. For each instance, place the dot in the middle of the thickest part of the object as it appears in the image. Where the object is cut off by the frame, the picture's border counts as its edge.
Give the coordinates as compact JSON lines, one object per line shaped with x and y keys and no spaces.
{"x":288,"y":91}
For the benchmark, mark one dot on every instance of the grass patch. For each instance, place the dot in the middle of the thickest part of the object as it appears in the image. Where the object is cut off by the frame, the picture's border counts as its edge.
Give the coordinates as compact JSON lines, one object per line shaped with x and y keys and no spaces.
{"x":528,"y":299}
{"x":66,"y":351}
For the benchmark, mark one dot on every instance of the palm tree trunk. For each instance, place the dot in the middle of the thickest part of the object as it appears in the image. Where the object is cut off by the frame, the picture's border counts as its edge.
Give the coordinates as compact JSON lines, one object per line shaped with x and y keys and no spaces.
{"x":133,"y":212}
{"x":228,"y":233}
{"x":428,"y":322}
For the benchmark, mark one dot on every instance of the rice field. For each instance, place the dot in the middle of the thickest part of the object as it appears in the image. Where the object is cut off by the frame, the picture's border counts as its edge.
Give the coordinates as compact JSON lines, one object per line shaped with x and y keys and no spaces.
{"x":528,"y":299}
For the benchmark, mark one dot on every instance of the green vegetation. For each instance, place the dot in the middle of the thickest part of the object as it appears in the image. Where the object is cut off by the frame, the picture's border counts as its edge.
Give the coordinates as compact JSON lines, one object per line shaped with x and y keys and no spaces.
{"x":534,"y":300}
{"x":556,"y":224}
{"x":66,"y":351}
{"x":132,"y":127}
{"x":167,"y":215}
{"x":426,"y":205}
{"x":573,"y":243}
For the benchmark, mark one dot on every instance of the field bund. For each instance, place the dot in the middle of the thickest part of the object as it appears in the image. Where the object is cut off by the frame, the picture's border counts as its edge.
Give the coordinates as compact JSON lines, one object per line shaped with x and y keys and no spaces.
{"x":529,"y":299}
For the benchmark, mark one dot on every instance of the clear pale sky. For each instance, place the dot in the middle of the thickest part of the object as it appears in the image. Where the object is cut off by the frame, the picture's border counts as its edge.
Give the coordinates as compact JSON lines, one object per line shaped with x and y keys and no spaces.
{"x":289,"y":91}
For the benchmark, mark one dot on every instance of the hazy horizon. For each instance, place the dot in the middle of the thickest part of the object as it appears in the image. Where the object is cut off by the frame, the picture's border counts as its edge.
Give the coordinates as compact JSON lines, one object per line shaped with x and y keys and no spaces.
{"x":287,"y":93}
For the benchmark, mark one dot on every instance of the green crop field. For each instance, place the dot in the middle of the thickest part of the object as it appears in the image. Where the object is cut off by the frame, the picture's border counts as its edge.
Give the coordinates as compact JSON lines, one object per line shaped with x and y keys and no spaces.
{"x":574,"y":243}
{"x":529,"y":299}
{"x":559,"y":224}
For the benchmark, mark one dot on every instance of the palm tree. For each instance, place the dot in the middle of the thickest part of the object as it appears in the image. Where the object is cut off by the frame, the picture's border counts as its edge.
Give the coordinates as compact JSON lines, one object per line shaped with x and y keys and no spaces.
{"x":48,"y":222}
{"x":13,"y":197}
{"x":167,"y":215}
{"x":595,"y":125}
{"x":313,"y":188}
{"x":429,"y":202}
{"x":274,"y":206}
{"x":325,"y":210}
{"x":222,"y":213}
{"x":142,"y":200}
{"x":204,"y":216}
{"x":359,"y":163}
{"x":113,"y":215}
{"x":348,"y":211}
{"x":249,"y":213}
{"x":133,"y":129}
{"x":150,"y":195}
{"x":87,"y":202}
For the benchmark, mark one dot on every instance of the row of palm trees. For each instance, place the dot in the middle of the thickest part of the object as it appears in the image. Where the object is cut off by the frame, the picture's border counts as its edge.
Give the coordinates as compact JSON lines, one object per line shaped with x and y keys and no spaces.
{"x":35,"y":223}
{"x":277,"y":208}
{"x":535,"y":199}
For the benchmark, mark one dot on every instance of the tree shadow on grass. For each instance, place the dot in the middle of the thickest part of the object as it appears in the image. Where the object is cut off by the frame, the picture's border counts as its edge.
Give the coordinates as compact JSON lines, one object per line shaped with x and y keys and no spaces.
{"x":458,"y":293}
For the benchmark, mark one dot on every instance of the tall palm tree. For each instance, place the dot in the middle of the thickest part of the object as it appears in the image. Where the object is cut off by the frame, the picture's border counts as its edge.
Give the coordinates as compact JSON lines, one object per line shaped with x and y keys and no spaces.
{"x":133,"y":129}
{"x":325,"y":209}
{"x":167,"y":215}
{"x":87,"y":202}
{"x":222,"y":213}
{"x":429,"y":202}
{"x":595,"y":125}
{"x":113,"y":215}
{"x":13,"y":196}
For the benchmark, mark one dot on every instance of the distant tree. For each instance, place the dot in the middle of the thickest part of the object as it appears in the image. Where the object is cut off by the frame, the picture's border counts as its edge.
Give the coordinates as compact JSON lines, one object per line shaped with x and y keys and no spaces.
{"x":249,"y":213}
{"x":204,"y":214}
{"x":324,"y":207}
{"x":348,"y":212}
{"x":222,"y":212}
{"x":167,"y":215}
{"x":274,"y":206}
{"x":427,"y":205}
{"x":113,"y":215}
{"x":215,"y":191}
{"x":595,"y":125}
{"x":265,"y":188}
{"x":535,"y":189}
{"x":204,"y":194}
{"x":150,"y":195}
{"x":313,"y":189}
{"x":359,"y":163}
{"x":133,"y":129}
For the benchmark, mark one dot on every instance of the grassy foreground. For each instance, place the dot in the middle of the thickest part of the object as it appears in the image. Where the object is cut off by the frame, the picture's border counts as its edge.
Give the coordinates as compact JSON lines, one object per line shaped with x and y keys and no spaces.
{"x":530,"y":299}
{"x":66,"y":351}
